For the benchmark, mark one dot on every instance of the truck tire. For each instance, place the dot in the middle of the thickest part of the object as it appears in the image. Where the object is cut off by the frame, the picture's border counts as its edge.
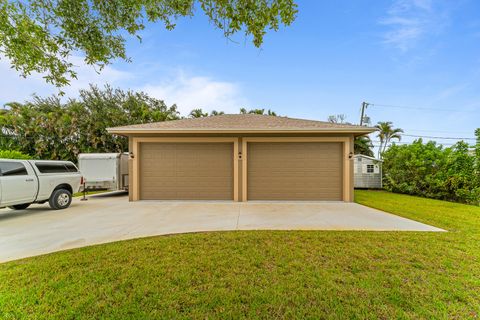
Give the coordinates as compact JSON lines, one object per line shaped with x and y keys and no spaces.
{"x":20,"y":206}
{"x":60,"y":199}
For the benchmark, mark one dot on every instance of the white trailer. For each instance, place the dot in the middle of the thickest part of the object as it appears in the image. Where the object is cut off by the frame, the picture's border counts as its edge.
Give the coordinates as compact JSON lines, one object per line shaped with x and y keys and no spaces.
{"x":104,"y":170}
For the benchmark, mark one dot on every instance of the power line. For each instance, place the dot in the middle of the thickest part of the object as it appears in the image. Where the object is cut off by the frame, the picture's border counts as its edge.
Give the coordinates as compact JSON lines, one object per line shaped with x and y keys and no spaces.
{"x":439,"y":131}
{"x":437,"y":137}
{"x":434,"y":137}
{"x":419,"y":108}
{"x":376,"y":143}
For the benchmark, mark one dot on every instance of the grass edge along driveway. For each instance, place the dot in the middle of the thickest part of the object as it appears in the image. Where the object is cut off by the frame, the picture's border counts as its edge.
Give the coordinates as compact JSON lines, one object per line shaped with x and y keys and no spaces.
{"x":264,"y":274}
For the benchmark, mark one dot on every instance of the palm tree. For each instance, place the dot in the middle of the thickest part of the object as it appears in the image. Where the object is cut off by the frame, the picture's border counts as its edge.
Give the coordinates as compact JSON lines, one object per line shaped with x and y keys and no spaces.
{"x":363,"y":145}
{"x":198,"y":113}
{"x":387,"y":133}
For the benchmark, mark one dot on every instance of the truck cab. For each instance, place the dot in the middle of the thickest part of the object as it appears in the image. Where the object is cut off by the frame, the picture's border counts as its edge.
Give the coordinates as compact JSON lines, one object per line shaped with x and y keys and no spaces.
{"x":23,"y":182}
{"x":18,"y":183}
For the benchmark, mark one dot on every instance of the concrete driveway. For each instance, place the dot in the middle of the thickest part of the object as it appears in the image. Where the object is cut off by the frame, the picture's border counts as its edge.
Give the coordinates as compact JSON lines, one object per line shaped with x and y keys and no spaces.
{"x":107,"y":218}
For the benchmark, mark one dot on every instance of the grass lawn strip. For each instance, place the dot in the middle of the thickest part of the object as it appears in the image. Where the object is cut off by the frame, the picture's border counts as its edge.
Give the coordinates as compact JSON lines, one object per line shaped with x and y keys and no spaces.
{"x":264,"y":274}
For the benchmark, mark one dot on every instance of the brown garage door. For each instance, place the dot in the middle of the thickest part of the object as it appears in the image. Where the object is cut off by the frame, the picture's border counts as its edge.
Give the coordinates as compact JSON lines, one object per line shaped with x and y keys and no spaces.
{"x":294,"y":171}
{"x":186,"y":171}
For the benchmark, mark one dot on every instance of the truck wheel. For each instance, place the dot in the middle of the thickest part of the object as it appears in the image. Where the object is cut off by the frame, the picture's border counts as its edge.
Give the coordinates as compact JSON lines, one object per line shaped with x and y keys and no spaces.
{"x":60,"y":199}
{"x":20,"y":206}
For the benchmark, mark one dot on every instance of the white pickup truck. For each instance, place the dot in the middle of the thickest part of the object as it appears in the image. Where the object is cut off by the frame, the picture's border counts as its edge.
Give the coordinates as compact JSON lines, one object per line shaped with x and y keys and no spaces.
{"x":23,"y":182}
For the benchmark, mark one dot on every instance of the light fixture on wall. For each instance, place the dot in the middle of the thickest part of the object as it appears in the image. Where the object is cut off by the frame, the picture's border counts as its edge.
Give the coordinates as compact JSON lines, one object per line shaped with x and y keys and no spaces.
{"x":350,"y":155}
{"x":131,"y":155}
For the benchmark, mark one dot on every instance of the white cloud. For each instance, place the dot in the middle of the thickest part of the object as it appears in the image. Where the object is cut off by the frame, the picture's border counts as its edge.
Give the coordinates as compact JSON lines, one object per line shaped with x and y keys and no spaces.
{"x":186,"y":90}
{"x":16,"y":88}
{"x":190,"y":91}
{"x":88,"y":75}
{"x":408,"y":21}
{"x":452,"y":91}
{"x":422,"y":4}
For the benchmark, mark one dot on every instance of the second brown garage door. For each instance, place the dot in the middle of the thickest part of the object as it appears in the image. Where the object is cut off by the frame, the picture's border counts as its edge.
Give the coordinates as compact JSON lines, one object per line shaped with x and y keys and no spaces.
{"x":186,"y":171}
{"x":294,"y":171}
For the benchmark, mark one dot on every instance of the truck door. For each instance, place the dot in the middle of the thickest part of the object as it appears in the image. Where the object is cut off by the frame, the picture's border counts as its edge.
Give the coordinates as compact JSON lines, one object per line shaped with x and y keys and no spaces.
{"x":19,"y":183}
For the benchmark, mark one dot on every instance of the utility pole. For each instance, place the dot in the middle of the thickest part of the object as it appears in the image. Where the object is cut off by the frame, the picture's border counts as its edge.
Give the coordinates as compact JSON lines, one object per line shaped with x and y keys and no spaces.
{"x":364,"y":107}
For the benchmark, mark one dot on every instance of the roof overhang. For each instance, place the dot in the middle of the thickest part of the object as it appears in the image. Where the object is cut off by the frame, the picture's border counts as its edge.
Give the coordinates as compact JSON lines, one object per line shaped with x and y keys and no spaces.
{"x":367,"y":157}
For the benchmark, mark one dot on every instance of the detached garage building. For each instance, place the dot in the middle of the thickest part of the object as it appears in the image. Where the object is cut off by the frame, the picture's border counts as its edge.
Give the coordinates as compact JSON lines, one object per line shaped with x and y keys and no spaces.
{"x":241,"y":157}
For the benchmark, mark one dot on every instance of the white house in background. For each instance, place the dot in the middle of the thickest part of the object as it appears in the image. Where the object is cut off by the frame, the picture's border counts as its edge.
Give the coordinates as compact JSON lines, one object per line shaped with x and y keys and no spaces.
{"x":367,"y":172}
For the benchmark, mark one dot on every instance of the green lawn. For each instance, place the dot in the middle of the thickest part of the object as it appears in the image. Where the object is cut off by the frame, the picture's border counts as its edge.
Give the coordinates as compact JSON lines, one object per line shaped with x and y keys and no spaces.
{"x":264,"y":274}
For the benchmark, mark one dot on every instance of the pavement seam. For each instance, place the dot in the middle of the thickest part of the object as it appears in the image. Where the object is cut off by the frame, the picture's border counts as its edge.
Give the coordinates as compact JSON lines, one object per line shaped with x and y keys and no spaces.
{"x":238,"y":217}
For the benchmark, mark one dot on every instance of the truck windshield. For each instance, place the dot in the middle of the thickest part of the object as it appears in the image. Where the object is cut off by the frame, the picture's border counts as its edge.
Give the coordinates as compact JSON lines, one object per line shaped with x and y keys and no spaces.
{"x":52,"y":167}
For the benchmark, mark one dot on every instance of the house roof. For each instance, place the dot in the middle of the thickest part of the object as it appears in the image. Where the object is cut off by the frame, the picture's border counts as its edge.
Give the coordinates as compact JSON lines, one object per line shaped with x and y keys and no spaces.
{"x":238,"y":123}
{"x":368,"y":157}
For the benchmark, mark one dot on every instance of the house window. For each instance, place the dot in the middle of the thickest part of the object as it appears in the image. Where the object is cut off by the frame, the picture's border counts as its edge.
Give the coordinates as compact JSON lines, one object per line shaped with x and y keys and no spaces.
{"x":370,"y":168}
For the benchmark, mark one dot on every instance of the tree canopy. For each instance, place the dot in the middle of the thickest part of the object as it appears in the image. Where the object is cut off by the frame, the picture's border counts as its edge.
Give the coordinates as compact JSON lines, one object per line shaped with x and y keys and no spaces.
{"x":429,"y":170}
{"x":48,"y":128}
{"x":337,"y":118}
{"x":42,"y":35}
{"x":258,"y":111}
{"x":52,"y":128}
{"x":363,"y":145}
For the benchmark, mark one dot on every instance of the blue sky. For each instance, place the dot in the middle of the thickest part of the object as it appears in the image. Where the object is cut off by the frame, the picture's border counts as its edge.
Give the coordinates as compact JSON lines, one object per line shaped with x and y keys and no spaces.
{"x":411,"y":53}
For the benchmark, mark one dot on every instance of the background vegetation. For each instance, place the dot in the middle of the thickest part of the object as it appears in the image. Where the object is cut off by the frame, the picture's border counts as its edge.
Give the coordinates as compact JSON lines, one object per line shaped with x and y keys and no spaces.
{"x":429,"y":170}
{"x":51,"y":128}
{"x":48,"y":128}
{"x":13,"y":154}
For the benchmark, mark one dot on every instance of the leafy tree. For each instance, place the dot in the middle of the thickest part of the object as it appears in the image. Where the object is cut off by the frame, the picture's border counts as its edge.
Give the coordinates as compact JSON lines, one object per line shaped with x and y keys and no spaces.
{"x":461,"y":181}
{"x":337,"y":118}
{"x":363,"y":145}
{"x":270,"y":112}
{"x":198,"y":113}
{"x":258,"y":111}
{"x":216,"y":113}
{"x":42,"y":35}
{"x":429,"y":170}
{"x":386,"y":133}
{"x":13,"y":154}
{"x":48,"y":128}
{"x":477,"y":145}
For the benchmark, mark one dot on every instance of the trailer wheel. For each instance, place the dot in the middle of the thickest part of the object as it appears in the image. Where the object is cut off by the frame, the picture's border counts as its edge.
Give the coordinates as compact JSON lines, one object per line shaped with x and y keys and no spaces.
{"x":20,"y":206}
{"x":60,"y":199}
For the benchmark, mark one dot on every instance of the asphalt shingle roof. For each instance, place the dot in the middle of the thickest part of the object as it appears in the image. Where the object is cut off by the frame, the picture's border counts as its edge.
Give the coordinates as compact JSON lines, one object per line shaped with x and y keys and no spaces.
{"x":240,"y":122}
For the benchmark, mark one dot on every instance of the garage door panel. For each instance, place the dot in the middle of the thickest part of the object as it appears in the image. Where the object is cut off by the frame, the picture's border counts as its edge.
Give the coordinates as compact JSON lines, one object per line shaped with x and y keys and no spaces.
{"x":186,"y":171}
{"x":294,"y":171}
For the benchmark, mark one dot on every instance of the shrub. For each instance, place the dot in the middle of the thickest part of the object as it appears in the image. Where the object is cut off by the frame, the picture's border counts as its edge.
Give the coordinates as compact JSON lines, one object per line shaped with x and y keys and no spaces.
{"x":13,"y":154}
{"x":429,"y":170}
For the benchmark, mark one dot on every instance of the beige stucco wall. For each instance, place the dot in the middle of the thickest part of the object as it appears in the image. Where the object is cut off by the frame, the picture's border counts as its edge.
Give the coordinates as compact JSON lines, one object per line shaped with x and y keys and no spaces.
{"x":240,"y":155}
